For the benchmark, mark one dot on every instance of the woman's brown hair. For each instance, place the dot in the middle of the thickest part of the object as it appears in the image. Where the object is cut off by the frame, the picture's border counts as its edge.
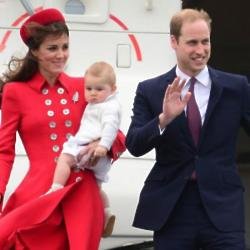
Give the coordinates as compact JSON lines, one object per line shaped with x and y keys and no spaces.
{"x":23,"y":69}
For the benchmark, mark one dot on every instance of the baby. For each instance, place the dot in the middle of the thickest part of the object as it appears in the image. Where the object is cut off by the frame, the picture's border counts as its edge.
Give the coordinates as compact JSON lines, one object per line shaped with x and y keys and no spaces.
{"x":100,"y":121}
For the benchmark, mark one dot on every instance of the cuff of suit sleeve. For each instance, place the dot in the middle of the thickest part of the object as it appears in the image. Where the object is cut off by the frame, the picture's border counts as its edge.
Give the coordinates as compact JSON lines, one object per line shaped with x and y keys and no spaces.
{"x":161,"y":130}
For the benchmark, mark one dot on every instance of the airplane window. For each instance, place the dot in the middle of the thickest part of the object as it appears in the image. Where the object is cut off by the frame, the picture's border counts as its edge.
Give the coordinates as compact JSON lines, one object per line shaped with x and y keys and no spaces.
{"x":75,"y":7}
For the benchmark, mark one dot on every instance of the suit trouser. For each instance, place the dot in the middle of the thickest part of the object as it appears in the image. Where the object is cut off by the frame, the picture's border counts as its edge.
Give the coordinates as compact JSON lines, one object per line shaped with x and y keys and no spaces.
{"x":189,"y":227}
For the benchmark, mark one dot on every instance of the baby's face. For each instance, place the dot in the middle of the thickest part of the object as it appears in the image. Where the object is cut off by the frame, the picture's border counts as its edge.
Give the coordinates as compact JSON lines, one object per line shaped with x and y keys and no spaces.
{"x":96,"y":91}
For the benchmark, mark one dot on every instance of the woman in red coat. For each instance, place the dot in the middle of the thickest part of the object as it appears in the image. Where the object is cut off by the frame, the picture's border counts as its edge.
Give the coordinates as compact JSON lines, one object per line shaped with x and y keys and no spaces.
{"x":44,"y":105}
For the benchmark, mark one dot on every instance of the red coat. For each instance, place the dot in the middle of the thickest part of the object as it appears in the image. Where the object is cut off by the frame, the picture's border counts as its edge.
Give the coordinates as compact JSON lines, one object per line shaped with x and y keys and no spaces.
{"x":44,"y":117}
{"x":70,"y":218}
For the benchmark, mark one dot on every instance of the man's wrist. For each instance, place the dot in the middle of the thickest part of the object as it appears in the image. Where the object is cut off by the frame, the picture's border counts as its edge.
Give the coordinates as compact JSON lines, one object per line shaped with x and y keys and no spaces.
{"x":163,"y":121}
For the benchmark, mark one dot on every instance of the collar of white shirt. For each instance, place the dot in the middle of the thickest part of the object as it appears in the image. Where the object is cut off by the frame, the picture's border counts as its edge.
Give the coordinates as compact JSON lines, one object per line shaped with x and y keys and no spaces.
{"x":203,"y":77}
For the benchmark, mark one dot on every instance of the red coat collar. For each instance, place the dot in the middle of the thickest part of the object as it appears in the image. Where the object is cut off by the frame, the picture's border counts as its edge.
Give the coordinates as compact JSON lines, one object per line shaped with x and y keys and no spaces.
{"x":38,"y":82}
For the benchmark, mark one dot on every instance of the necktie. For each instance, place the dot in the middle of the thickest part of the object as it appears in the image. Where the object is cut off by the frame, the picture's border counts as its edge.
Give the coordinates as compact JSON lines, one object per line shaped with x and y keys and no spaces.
{"x":193,"y":114}
{"x":194,"y":118}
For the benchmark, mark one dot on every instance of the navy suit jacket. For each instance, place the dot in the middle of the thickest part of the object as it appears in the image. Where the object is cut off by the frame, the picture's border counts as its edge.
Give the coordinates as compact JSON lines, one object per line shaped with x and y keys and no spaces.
{"x":213,"y":159}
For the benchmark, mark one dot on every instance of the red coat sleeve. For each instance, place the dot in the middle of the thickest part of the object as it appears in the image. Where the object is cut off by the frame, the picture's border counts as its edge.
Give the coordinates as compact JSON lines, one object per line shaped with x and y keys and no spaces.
{"x":9,"y":124}
{"x":118,"y":146}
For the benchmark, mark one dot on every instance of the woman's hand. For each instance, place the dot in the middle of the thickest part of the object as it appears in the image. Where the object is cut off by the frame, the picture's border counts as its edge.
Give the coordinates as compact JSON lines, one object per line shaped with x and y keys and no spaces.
{"x":100,"y":151}
{"x":89,"y":153}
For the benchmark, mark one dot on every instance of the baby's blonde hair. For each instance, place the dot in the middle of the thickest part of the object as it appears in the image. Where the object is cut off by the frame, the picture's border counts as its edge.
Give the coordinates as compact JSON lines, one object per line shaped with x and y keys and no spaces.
{"x":103,"y":71}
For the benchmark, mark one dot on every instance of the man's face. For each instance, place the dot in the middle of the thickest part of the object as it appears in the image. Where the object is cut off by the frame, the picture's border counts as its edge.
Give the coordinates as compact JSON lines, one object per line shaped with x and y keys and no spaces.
{"x":193,"y":47}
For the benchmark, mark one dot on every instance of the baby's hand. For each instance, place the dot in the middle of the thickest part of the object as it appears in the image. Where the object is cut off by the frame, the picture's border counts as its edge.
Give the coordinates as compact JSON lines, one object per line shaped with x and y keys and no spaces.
{"x":100,"y":151}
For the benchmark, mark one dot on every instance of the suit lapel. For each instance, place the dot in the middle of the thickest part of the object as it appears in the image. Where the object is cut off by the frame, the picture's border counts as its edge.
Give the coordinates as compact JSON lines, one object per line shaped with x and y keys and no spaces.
{"x":185,"y":129}
{"x":215,"y":94}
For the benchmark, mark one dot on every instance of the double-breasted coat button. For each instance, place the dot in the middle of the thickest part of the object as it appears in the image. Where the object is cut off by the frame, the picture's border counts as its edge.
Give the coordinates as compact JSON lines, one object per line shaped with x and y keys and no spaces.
{"x":68,"y":123}
{"x":45,"y":91}
{"x":78,"y":179}
{"x":56,"y":148}
{"x":48,"y":102}
{"x":63,"y":101}
{"x":53,"y":136}
{"x":60,"y":91}
{"x":66,"y":111}
{"x":68,"y":135}
{"x":50,"y":113}
{"x":52,"y":124}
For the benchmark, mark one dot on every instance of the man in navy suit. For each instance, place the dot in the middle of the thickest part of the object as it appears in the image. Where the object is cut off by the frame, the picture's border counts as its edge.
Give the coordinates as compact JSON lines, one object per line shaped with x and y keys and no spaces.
{"x":193,"y":197}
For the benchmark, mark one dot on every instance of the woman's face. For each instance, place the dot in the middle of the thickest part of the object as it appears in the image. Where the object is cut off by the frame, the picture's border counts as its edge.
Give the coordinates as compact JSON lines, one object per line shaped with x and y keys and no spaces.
{"x":52,"y":56}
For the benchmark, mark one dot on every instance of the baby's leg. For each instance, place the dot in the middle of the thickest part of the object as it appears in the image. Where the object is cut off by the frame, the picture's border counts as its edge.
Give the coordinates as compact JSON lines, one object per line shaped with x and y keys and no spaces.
{"x":62,"y":171}
{"x":101,"y":173}
{"x":63,"y":168}
{"x":109,"y":218}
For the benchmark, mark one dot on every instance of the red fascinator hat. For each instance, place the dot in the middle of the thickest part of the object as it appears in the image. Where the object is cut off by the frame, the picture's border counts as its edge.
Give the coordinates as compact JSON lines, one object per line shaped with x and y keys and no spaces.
{"x":43,"y":17}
